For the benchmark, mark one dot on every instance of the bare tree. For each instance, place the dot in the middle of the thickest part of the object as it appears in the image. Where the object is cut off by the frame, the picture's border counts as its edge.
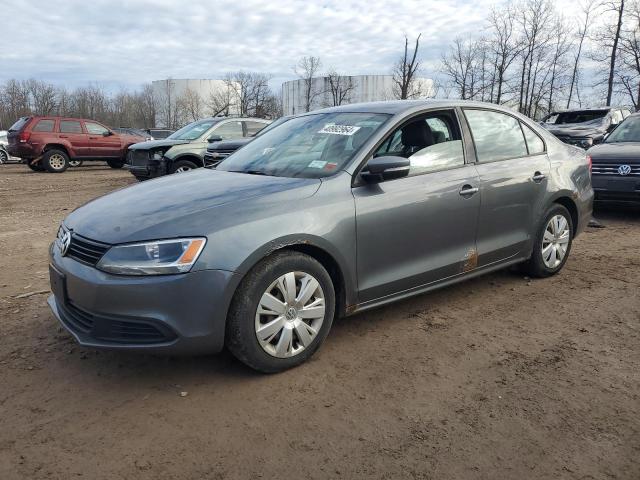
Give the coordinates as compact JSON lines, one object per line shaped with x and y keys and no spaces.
{"x":405,"y":71}
{"x":462,"y":67}
{"x":628,"y":74}
{"x":339,"y":87}
{"x":250,"y":90}
{"x":616,"y":6}
{"x":587,"y":9}
{"x":307,"y":69}
{"x":167,"y":104}
{"x":191,"y":105}
{"x":505,"y":46}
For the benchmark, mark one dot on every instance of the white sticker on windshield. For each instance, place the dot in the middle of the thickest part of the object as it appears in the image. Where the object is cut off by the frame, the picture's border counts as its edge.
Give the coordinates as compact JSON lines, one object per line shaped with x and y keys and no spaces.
{"x":339,"y":129}
{"x":317,"y":164}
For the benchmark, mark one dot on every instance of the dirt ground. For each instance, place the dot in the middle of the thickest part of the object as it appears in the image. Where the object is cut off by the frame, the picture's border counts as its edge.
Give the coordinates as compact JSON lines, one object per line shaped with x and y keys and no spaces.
{"x":501,"y":377}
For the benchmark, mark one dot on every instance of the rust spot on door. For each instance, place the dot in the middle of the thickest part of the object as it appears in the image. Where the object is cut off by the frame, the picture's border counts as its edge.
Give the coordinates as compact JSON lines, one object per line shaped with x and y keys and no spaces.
{"x":470,"y":260}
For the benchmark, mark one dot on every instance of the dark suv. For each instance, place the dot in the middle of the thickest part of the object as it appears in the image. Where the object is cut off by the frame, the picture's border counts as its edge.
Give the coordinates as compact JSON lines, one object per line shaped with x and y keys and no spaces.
{"x":52,"y":143}
{"x":584,"y":127}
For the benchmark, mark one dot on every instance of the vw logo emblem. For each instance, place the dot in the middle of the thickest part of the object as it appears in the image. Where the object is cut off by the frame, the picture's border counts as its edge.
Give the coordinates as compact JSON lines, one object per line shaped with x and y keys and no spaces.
{"x":624,"y":169}
{"x":64,"y":241}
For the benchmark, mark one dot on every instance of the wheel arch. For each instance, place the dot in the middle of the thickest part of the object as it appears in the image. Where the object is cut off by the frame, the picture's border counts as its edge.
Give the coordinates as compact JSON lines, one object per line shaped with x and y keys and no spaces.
{"x":567,"y":202}
{"x":58,"y":146}
{"x":188,"y":156}
{"x":324,"y":254}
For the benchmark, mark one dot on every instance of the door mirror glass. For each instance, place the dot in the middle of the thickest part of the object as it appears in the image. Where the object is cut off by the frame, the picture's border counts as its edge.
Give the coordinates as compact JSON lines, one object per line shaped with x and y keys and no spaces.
{"x":107,"y":134}
{"x":214,"y":138}
{"x":386,"y":168}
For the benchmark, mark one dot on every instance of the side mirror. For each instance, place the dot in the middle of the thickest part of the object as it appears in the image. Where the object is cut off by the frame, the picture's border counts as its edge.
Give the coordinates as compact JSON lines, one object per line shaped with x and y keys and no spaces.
{"x":386,"y":168}
{"x":108,"y":133}
{"x":214,"y":138}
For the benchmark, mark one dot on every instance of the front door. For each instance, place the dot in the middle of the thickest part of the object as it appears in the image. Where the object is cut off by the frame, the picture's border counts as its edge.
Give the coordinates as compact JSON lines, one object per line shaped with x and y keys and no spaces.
{"x":419,"y":229}
{"x":513,"y":169}
{"x":103,"y":142}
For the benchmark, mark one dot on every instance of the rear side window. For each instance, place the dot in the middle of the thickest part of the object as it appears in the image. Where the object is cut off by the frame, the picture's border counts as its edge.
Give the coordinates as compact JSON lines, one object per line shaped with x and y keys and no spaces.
{"x":70,"y":126}
{"x":229,"y":131}
{"x":96,"y":128}
{"x":497,"y":136}
{"x":44,"y":126}
{"x":19,"y":124}
{"x":254,"y":127}
{"x":534,"y":142}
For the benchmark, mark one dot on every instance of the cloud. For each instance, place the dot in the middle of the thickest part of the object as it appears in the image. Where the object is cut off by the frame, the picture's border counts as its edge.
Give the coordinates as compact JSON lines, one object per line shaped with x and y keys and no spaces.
{"x":127,"y":43}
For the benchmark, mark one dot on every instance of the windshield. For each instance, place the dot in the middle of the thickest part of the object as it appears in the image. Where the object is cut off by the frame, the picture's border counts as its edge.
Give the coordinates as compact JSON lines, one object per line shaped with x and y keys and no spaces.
{"x":311,"y":146}
{"x":193,"y":130}
{"x":627,"y":131}
{"x":579,"y":116}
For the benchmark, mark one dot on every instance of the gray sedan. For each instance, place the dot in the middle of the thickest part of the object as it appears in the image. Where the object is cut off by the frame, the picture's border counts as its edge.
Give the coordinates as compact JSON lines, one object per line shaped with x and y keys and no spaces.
{"x":331,"y":213}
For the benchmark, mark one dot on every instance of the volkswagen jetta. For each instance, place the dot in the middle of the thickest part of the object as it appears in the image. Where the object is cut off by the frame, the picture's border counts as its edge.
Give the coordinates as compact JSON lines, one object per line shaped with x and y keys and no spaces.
{"x":331,"y":213}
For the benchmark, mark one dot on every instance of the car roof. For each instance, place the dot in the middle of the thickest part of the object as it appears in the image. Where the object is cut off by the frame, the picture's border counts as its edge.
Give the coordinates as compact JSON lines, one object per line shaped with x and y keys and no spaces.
{"x":394,"y":107}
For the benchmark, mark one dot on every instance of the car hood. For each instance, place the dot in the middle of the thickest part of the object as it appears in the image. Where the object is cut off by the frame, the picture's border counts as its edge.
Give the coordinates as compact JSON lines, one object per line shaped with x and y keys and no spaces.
{"x":179,"y":205}
{"x":153,"y":144}
{"x":586,"y":129}
{"x":616,"y":152}
{"x":228,"y":144}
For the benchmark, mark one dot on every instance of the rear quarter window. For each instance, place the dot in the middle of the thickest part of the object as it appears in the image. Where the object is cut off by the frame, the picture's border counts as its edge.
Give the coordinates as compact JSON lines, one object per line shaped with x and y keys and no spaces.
{"x":44,"y":126}
{"x":534,"y":142}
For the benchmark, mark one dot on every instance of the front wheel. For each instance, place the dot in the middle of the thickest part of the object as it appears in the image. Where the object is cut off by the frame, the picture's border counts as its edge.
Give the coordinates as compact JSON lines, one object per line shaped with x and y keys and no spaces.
{"x":182,"y":166}
{"x":281,"y":312}
{"x":552,"y":243}
{"x":115,"y":163}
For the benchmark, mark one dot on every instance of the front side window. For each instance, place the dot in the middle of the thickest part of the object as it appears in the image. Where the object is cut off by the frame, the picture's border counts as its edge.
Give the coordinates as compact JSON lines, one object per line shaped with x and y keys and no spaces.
{"x":229,"y":130}
{"x":193,"y":130}
{"x":534,"y":142}
{"x":311,"y":146}
{"x":70,"y":126}
{"x":44,"y":126}
{"x":254,"y":127}
{"x":95,"y":128}
{"x":496,"y":136}
{"x":432,"y":143}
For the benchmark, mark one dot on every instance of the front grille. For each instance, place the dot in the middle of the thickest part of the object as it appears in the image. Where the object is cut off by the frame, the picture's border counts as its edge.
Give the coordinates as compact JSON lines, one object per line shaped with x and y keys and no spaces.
{"x":613,"y":169}
{"x":112,"y":328}
{"x":86,"y":250}
{"x":138,"y":157}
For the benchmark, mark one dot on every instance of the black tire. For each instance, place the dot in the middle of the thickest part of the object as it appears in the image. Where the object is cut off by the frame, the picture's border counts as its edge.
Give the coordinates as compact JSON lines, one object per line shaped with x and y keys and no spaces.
{"x":75,"y":163}
{"x":115,"y":163}
{"x":4,"y":158}
{"x":178,"y":166}
{"x":141,"y":179}
{"x":55,"y":161}
{"x":536,"y":266}
{"x":36,"y":167}
{"x":241,"y":337}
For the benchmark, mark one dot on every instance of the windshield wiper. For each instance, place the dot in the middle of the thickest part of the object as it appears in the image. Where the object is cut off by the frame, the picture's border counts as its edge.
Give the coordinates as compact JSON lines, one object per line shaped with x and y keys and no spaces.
{"x":250,"y":172}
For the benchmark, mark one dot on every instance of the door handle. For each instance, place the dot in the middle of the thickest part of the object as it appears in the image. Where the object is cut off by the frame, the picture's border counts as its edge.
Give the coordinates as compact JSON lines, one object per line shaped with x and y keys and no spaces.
{"x":538,"y":177}
{"x":64,"y":136}
{"x":468,"y":190}
{"x":93,"y":138}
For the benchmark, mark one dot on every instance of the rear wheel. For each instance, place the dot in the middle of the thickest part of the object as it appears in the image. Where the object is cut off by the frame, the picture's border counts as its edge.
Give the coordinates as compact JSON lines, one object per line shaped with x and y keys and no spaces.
{"x":552,"y":243}
{"x":55,"y":161}
{"x":115,"y":163}
{"x":281,"y":312}
{"x":36,"y":167}
{"x":75,"y":163}
{"x":3,"y":156}
{"x":182,"y":166}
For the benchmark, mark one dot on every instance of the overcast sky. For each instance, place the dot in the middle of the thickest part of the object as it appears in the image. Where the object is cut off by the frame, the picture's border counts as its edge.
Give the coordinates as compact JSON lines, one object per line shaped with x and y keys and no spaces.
{"x":128,"y":43}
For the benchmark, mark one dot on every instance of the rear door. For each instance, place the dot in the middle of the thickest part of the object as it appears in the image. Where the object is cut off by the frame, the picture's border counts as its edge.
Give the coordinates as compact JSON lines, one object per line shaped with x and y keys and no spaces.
{"x":103,"y":142}
{"x":513,"y":180}
{"x":419,"y":229}
{"x":252,"y":127}
{"x":71,"y":131}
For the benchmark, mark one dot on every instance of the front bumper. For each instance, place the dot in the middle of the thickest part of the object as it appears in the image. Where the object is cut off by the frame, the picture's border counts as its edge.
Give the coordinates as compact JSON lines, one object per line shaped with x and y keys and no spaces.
{"x":616,"y":188}
{"x":175,"y":314}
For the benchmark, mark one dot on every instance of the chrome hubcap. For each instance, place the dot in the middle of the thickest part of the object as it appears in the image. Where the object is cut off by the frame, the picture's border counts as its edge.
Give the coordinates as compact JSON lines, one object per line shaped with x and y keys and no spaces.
{"x":74,"y":163}
{"x":182,"y":169}
{"x":3,"y":157}
{"x":555,"y":241}
{"x":290,"y":314}
{"x":56,"y":161}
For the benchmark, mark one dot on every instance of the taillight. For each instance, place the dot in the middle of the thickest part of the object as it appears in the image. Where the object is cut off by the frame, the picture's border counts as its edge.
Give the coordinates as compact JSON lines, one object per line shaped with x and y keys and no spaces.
{"x":590,"y":163}
{"x":23,"y":137}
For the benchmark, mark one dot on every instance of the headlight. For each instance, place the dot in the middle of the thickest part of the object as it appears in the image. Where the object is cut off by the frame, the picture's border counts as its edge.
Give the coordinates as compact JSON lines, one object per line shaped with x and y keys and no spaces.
{"x":160,"y":257}
{"x":158,"y":154}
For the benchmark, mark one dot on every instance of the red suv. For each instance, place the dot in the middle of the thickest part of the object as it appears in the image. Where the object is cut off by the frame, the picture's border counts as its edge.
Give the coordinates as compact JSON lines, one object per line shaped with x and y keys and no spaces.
{"x":55,"y":143}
